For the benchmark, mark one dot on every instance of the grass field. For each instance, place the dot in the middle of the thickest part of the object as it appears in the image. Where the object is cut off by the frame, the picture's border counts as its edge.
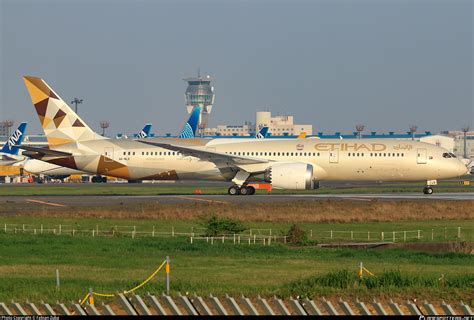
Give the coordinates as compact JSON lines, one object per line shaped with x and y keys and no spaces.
{"x":111,"y":264}
{"x":115,"y":264}
{"x":171,"y":189}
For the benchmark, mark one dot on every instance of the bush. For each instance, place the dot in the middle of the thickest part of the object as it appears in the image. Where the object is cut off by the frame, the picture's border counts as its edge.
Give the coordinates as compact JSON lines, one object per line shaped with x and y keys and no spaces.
{"x":216,"y":226}
{"x":296,"y":235}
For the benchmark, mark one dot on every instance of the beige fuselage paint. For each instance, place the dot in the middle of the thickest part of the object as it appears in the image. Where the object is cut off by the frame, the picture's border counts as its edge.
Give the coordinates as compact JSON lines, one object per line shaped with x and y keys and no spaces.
{"x":332,"y":159}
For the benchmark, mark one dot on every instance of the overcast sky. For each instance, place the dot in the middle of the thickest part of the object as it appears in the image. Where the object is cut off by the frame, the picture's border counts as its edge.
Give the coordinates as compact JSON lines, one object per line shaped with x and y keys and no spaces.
{"x":334,"y":63}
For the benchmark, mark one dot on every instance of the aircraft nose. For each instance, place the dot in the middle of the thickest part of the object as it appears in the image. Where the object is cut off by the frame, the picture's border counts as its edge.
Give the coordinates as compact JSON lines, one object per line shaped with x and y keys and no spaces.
{"x":462,"y":169}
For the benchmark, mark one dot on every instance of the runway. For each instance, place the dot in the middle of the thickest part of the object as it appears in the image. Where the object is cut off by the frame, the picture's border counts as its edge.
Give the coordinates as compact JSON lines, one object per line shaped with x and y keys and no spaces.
{"x":104,"y":200}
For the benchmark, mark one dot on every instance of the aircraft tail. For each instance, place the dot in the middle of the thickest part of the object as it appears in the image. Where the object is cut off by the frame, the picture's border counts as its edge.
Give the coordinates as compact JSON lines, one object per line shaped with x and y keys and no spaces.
{"x":145,"y":131}
{"x":302,"y":135}
{"x":262,"y":134}
{"x":60,"y":123}
{"x":190,"y":127}
{"x":15,"y":140}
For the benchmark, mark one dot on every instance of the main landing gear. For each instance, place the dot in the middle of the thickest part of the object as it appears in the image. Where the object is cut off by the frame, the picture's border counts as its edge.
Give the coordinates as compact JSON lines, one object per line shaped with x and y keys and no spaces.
{"x":243,"y":190}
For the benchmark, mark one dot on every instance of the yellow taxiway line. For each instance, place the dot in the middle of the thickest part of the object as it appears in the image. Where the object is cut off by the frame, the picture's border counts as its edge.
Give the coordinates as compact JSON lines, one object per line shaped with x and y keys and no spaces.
{"x":199,"y":199}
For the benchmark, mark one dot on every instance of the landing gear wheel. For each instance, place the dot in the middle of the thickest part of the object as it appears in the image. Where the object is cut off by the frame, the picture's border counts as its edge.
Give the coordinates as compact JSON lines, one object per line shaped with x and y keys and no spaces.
{"x":428,"y":190}
{"x":245,"y":191}
{"x":251,"y":190}
{"x":234,"y":190}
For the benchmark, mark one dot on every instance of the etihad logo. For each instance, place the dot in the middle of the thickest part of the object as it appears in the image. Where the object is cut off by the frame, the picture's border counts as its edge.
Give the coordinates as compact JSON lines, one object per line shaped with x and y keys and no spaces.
{"x":350,"y":146}
{"x":14,"y":139}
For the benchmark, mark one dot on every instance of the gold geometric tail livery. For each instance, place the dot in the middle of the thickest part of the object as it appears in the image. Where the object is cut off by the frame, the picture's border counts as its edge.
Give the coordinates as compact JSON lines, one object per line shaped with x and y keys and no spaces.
{"x":60,"y":123}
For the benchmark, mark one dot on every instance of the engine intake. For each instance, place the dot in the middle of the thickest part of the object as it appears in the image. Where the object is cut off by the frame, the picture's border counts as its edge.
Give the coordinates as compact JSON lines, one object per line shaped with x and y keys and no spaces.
{"x":292,"y":176}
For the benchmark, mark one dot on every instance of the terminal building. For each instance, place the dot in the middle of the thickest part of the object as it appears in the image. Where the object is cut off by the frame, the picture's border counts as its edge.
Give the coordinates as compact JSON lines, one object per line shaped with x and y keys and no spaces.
{"x":277,"y":126}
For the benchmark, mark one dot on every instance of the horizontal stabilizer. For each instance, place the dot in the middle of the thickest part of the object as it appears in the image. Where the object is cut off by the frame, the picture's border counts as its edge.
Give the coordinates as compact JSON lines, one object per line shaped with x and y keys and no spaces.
{"x":46,"y":152}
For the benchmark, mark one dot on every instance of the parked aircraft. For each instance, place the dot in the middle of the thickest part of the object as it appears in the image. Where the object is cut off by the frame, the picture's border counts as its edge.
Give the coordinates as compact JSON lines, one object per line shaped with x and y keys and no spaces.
{"x":287,"y":163}
{"x":9,"y":152}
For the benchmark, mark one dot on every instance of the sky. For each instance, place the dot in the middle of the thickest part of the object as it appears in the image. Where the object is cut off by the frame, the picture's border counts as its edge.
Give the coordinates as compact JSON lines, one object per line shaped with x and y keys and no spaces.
{"x":386,"y":64}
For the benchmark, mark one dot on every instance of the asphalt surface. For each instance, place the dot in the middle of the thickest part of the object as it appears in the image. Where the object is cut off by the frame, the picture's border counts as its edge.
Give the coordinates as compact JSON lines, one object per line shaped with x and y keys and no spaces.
{"x":104,"y":200}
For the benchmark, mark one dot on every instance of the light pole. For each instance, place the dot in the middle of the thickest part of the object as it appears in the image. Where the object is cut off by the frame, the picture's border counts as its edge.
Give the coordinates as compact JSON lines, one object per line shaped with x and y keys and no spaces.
{"x":7,"y":124}
{"x":76,"y":101}
{"x":104,"y":125}
{"x":412,"y":131}
{"x":360,"y":128}
{"x":465,"y":130}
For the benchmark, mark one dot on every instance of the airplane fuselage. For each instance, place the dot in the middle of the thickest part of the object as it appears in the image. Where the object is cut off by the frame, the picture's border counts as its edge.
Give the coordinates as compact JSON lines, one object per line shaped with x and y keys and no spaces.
{"x":351,"y":160}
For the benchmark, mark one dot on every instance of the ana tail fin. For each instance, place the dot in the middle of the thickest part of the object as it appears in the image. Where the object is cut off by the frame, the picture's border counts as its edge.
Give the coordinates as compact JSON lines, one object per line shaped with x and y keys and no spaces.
{"x":145,"y":131}
{"x":302,"y":135}
{"x":190,"y":127}
{"x":15,"y":140}
{"x":262,"y":134}
{"x":60,"y":123}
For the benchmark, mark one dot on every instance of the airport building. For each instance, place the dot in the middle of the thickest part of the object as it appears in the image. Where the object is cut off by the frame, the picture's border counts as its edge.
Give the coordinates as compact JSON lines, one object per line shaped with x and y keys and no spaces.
{"x":277,"y":126}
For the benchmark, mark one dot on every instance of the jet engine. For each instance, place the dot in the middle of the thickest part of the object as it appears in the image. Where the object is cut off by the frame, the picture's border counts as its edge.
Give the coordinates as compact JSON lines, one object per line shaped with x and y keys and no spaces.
{"x":292,"y":176}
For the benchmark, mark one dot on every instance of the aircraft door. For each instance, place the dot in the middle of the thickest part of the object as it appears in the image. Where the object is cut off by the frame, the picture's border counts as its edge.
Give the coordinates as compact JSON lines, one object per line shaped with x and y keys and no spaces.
{"x":421,"y":156}
{"x":334,"y":156}
{"x":109,"y":154}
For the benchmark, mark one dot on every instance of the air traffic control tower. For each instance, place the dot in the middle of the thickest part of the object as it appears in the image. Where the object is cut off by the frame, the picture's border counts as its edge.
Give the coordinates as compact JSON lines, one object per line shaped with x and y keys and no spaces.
{"x":200,"y":93}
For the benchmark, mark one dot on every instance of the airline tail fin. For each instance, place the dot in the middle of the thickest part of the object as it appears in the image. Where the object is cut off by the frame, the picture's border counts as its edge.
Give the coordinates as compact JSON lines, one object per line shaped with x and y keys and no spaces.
{"x":302,"y":135}
{"x":15,"y":140}
{"x":145,"y":131}
{"x":190,"y":127}
{"x":262,"y":134}
{"x":60,"y":123}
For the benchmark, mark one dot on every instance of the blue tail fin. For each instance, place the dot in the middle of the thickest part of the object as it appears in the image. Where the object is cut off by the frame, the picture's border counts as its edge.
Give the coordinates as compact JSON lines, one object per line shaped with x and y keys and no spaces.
{"x":262,"y":134}
{"x":190,"y":127}
{"x":10,"y":147}
{"x":145,"y":131}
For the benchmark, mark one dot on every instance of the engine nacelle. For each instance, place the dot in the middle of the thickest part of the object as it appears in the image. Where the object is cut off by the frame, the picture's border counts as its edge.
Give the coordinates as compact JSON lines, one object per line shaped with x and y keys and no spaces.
{"x":291,"y":176}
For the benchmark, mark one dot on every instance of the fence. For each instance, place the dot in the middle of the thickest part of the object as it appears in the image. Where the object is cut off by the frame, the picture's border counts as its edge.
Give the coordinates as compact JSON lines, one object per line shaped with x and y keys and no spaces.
{"x":252,"y":236}
{"x":134,"y":305}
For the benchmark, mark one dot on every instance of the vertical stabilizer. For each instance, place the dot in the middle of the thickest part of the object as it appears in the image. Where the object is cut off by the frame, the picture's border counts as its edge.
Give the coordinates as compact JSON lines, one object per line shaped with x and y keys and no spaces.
{"x":145,"y":132}
{"x":190,"y":127}
{"x":262,"y":134}
{"x":60,"y":123}
{"x":15,"y":140}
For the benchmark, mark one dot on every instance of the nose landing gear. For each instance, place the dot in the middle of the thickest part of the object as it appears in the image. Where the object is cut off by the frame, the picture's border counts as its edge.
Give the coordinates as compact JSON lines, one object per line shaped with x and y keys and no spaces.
{"x":428,"y":190}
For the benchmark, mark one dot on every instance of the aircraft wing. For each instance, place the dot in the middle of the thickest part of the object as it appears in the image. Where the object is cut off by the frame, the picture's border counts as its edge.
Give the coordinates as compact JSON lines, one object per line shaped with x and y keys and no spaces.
{"x":219,"y":158}
{"x":47,"y":152}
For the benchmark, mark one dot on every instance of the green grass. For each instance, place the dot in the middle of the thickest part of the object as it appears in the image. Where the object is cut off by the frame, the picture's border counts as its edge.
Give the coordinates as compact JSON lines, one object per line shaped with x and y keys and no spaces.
{"x":140,"y":189}
{"x":441,"y":229}
{"x":115,"y":264}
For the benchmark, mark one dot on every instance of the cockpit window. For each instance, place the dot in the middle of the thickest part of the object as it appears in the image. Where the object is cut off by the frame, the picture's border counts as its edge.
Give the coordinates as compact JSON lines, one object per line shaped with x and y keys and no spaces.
{"x":446,"y":155}
{"x":452,"y":155}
